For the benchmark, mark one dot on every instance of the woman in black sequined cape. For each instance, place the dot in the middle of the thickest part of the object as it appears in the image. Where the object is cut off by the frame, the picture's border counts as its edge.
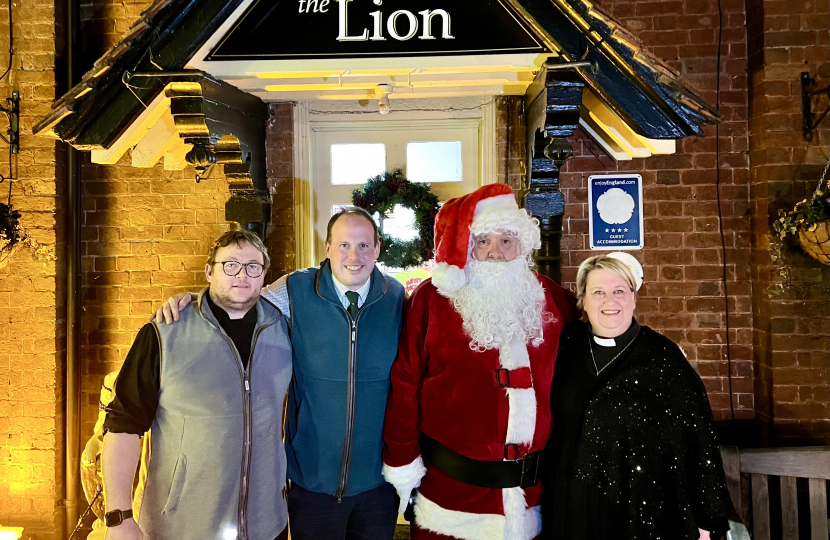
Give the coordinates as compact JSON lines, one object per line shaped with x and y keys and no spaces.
{"x":641,"y":460}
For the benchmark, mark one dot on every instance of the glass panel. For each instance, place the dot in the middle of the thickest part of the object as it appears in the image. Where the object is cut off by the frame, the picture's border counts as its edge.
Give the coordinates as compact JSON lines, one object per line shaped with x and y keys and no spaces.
{"x":433,"y":162}
{"x":401,"y":223}
{"x":356,"y":163}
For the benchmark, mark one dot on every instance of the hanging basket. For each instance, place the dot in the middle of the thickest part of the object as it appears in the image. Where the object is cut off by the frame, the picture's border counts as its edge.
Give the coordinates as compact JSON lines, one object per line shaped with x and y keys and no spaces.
{"x":816,"y":242}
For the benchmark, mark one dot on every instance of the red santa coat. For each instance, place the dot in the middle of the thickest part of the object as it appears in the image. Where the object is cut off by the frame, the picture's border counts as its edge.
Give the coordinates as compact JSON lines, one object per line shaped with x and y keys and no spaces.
{"x":445,"y":390}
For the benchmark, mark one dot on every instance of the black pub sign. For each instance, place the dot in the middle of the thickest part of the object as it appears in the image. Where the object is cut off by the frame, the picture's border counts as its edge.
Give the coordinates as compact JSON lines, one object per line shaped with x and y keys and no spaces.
{"x":306,"y":29}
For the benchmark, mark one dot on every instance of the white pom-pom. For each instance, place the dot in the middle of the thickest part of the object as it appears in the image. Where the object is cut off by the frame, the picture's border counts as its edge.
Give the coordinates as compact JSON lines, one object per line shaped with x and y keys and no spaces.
{"x":448,"y":278}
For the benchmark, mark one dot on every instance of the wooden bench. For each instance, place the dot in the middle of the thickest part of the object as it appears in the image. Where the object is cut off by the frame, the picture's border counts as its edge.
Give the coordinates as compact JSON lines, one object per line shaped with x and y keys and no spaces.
{"x":788,"y":463}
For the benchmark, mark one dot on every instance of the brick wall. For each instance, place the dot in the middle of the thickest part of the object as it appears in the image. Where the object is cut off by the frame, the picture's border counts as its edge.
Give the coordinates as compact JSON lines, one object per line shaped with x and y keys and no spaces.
{"x":279,"y":146}
{"x":790,"y":301}
{"x":146,"y":231}
{"x":511,"y":140}
{"x":32,"y":306}
{"x":145,"y":234}
{"x":683,"y":294}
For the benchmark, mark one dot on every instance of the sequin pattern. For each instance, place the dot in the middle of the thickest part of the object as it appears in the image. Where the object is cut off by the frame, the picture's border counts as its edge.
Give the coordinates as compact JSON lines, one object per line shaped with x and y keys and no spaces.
{"x":648,"y":444}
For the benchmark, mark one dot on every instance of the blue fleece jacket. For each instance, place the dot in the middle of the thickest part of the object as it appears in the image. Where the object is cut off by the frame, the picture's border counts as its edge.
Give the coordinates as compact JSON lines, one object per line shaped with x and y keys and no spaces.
{"x":337,"y":399}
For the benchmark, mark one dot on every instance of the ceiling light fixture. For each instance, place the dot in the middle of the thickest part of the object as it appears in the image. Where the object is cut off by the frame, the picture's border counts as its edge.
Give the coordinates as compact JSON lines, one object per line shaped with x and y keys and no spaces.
{"x":383,"y":103}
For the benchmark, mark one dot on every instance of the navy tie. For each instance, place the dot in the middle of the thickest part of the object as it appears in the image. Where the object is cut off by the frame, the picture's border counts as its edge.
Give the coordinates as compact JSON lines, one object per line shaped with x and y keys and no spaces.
{"x":352,"y":296}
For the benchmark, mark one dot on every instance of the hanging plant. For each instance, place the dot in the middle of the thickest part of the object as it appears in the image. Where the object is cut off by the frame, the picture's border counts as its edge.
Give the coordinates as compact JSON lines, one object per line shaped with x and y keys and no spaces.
{"x":381,"y":194}
{"x":13,"y":236}
{"x":809,"y":222}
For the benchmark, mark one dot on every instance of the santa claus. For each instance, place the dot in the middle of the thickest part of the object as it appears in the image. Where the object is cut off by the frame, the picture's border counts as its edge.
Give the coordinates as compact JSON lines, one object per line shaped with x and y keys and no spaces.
{"x":469,"y":408}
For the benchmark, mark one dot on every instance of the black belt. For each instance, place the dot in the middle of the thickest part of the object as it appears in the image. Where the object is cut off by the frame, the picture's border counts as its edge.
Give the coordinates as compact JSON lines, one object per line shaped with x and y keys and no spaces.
{"x":521,"y":473}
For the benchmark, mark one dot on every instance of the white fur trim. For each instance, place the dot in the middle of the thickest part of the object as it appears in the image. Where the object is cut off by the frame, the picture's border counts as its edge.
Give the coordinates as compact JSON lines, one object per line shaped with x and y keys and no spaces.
{"x":521,"y":416}
{"x":522,"y":523}
{"x":500,"y":202}
{"x":518,"y":522}
{"x":514,"y":355}
{"x":521,"y":419}
{"x":448,"y":278}
{"x":405,"y":474}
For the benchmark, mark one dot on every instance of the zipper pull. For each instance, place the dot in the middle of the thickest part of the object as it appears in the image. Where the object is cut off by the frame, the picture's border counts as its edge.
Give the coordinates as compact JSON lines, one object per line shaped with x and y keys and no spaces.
{"x":354,"y":332}
{"x":247,"y":386}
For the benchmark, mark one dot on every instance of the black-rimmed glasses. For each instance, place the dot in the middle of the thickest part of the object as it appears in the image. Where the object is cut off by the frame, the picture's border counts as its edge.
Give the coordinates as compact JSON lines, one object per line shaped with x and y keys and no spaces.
{"x":232,"y":268}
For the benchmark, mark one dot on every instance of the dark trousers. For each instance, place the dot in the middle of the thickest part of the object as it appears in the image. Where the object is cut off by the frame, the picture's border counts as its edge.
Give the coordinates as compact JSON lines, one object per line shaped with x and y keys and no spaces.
{"x":370,"y":515}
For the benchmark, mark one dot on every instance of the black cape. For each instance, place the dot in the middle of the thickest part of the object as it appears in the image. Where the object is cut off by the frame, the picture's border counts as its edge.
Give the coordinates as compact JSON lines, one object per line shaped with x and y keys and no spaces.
{"x":633,"y":452}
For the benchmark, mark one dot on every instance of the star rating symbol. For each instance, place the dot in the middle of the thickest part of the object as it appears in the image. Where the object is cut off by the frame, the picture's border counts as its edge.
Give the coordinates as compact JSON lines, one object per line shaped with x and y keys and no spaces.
{"x":626,"y":230}
{"x":606,"y":230}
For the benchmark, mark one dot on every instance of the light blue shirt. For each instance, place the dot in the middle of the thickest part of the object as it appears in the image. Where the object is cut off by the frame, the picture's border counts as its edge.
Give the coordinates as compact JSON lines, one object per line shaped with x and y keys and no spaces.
{"x":277,"y":293}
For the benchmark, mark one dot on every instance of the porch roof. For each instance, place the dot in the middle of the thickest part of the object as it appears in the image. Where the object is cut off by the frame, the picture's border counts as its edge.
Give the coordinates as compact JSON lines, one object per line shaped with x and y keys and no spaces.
{"x":630,"y":87}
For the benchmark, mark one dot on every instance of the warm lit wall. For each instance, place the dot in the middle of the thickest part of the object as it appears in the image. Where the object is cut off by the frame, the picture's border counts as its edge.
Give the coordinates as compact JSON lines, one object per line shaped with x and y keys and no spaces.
{"x":146,"y":234}
{"x":31,"y":299}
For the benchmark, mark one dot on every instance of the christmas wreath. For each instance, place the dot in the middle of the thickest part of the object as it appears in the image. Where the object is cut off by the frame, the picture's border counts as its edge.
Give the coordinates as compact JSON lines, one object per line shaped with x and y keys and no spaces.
{"x":380,"y":194}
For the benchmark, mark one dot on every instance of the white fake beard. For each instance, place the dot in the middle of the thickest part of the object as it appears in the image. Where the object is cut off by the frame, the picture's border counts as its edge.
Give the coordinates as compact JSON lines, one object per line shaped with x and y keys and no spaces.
{"x":501,"y":301}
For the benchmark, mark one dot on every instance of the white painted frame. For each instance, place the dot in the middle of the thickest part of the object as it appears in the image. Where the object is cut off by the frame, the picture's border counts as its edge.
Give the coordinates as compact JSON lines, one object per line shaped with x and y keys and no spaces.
{"x":307,"y":118}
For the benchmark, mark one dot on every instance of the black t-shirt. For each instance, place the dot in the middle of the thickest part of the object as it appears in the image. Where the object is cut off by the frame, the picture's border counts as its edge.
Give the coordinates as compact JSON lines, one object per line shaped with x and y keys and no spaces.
{"x":137,"y":387}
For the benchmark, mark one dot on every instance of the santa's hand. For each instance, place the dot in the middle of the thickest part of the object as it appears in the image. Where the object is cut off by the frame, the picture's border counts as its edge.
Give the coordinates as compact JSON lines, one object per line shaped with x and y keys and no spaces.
{"x":405,"y":478}
{"x":404,"y":492}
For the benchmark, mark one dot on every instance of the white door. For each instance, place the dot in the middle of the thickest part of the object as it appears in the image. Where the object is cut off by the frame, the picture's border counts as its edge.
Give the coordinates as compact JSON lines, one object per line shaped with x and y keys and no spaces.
{"x":345,"y":155}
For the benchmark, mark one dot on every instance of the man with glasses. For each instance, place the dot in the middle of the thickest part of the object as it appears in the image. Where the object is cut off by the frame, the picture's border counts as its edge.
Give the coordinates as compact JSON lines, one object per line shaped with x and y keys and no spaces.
{"x":208,"y":391}
{"x":345,"y":321}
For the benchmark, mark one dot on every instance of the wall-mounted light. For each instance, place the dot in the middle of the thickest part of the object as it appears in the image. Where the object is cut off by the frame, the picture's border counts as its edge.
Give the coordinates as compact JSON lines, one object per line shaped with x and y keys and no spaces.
{"x":10,"y":533}
{"x":383,"y":103}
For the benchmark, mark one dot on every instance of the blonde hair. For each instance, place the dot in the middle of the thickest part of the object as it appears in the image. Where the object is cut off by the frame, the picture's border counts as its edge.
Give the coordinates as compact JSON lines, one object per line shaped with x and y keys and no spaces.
{"x":601,"y":262}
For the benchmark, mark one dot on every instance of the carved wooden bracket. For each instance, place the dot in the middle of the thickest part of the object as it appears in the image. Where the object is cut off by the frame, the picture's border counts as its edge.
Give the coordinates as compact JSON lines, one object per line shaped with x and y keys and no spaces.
{"x":226,"y":126}
{"x":552,"y":105}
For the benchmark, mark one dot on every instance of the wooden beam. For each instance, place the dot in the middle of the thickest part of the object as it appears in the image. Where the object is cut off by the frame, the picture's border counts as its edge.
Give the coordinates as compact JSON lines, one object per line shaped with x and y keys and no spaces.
{"x":552,"y":104}
{"x":176,"y":158}
{"x":760,"y":507}
{"x":789,"y":508}
{"x":732,"y":469}
{"x":159,"y":140}
{"x":134,"y":133}
{"x":809,"y":462}
{"x":818,"y":509}
{"x":598,"y":135}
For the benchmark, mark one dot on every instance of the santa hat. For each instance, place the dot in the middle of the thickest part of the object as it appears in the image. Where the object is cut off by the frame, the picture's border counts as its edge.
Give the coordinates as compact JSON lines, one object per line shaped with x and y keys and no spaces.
{"x":452,"y":231}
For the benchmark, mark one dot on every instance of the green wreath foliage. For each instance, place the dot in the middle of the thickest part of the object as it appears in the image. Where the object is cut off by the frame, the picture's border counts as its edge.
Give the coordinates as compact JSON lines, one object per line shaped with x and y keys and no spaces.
{"x":380,"y":194}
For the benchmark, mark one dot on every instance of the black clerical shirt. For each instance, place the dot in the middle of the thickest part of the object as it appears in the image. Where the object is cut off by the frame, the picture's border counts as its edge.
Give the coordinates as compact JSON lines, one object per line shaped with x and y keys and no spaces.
{"x":137,"y":386}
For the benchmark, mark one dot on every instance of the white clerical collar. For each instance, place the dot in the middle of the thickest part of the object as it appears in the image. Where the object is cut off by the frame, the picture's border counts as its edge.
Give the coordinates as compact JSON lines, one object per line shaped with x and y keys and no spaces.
{"x":605,"y":342}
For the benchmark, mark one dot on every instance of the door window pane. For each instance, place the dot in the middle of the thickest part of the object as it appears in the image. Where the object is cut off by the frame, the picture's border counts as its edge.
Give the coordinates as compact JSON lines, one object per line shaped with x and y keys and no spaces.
{"x":433,"y":162}
{"x":356,"y":163}
{"x":401,"y":223}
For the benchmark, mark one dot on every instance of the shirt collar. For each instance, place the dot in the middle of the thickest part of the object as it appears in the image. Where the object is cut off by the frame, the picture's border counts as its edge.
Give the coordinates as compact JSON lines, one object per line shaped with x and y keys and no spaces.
{"x":362,"y":292}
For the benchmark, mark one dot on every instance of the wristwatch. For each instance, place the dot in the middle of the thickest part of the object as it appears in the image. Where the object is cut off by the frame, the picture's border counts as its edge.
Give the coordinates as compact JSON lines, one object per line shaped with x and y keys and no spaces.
{"x":114,"y":518}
